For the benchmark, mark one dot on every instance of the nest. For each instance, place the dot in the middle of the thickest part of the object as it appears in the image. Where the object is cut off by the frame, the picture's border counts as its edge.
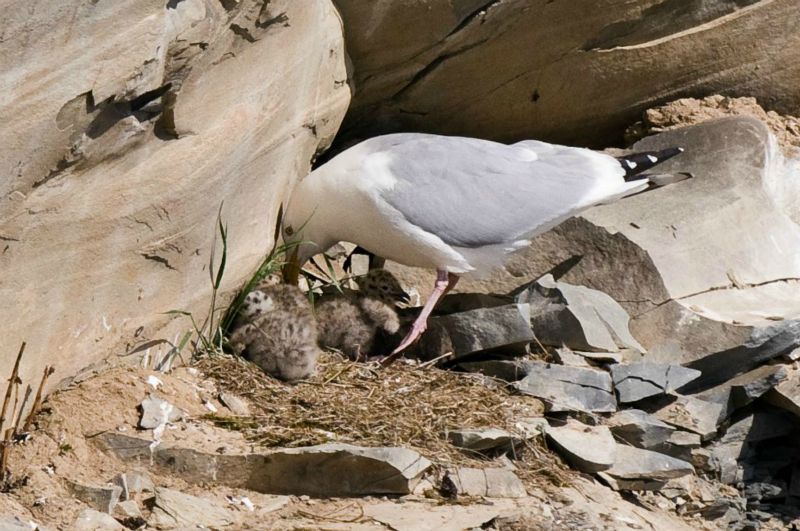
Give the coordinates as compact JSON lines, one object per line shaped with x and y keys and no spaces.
{"x":403,"y":404}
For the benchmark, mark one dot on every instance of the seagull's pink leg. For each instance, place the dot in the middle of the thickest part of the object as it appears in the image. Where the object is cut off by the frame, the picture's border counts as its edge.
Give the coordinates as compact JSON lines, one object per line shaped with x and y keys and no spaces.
{"x":444,"y":282}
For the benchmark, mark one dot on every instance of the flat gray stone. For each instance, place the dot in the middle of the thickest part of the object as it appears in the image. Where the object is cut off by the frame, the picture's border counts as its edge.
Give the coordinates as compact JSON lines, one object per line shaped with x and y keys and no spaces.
{"x":480,"y":439}
{"x":634,"y":484}
{"x":680,"y":445}
{"x":601,"y":357}
{"x":763,"y":344}
{"x":723,"y":460}
{"x":487,"y":482}
{"x":91,"y":520}
{"x":582,"y":358}
{"x":427,"y":517}
{"x":157,"y":411}
{"x":127,"y":509}
{"x":794,"y":355}
{"x":174,"y":509}
{"x":568,"y":388}
{"x":576,"y":316}
{"x":323,"y":470}
{"x":760,"y":425}
{"x":743,"y":389}
{"x":236,"y":404}
{"x":508,"y":370}
{"x":730,"y":452}
{"x":639,"y":464}
{"x":692,"y":414}
{"x":342,"y":470}
{"x":786,"y":395}
{"x":15,"y":523}
{"x":638,"y":428}
{"x":102,"y":499}
{"x":566,"y":356}
{"x":133,"y":482}
{"x":478,"y":330}
{"x":636,"y":381}
{"x":531,"y":427}
{"x":586,"y":448}
{"x":464,"y":302}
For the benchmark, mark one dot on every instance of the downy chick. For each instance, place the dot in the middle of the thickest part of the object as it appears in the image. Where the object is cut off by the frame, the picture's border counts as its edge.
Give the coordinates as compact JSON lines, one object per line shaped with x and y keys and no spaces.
{"x":276,"y":330}
{"x":350,"y":321}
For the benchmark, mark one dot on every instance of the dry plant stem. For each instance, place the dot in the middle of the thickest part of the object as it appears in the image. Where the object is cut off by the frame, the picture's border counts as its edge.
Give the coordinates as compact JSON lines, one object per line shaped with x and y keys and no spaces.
{"x":329,"y":516}
{"x":28,"y":392}
{"x":4,"y":454}
{"x":400,"y":405}
{"x":48,"y":370}
{"x":13,"y":420}
{"x":11,"y":380}
{"x":434,"y":361}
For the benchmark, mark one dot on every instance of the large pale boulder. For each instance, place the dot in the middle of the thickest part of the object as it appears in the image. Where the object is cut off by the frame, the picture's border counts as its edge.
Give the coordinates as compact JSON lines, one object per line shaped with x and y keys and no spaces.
{"x":125,"y":127}
{"x":575,"y":72}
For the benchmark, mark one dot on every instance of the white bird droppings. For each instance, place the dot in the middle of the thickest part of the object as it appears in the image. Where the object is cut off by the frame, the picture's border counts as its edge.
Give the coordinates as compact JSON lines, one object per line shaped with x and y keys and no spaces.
{"x":154,"y":382}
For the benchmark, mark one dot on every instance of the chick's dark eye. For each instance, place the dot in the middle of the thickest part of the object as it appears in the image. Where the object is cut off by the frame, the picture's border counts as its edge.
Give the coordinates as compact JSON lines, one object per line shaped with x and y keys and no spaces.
{"x":289,"y":230}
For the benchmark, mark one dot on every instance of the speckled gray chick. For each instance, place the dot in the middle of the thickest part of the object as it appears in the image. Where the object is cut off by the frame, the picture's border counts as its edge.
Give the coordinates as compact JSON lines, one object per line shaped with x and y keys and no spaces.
{"x":350,"y":321}
{"x":277,"y":331}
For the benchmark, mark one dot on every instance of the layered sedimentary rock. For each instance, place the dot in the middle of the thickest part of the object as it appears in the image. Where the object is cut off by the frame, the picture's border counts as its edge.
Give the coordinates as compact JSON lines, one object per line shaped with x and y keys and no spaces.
{"x":574,"y":72}
{"x":125,"y":127}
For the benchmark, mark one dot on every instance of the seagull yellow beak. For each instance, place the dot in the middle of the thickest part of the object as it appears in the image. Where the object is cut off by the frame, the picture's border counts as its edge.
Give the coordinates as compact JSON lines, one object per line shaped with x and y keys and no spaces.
{"x":291,"y":269}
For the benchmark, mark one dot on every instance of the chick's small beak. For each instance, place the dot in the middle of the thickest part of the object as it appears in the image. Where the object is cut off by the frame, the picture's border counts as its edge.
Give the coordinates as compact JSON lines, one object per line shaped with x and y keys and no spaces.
{"x":404,"y":297}
{"x":291,"y":269}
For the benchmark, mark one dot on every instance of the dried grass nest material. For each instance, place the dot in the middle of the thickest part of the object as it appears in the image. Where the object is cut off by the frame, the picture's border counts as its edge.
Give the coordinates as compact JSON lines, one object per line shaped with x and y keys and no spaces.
{"x":400,"y":405}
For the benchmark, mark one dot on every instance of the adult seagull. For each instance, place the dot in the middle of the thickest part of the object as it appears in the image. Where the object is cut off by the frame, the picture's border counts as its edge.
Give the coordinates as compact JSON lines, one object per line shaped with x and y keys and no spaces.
{"x":453,"y":204}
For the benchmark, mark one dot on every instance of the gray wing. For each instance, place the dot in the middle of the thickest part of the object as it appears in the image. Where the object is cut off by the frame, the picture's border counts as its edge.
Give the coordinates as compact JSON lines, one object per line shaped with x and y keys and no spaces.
{"x":472,"y":193}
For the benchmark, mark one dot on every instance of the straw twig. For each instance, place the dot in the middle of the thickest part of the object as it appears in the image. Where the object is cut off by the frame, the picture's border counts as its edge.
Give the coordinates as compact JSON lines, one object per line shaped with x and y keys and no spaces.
{"x":21,"y":410}
{"x":400,"y":405}
{"x":9,"y":434}
{"x":11,"y":384}
{"x":48,"y":370}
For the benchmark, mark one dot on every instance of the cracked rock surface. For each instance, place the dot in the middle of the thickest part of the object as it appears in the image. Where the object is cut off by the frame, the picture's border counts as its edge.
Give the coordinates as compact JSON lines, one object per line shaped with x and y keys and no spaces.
{"x":568,"y":388}
{"x":424,"y":65}
{"x":636,"y":381}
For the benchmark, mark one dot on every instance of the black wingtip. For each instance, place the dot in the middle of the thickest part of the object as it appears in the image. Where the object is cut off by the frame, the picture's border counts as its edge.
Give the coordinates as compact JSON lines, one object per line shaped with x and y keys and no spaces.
{"x":637,"y":163}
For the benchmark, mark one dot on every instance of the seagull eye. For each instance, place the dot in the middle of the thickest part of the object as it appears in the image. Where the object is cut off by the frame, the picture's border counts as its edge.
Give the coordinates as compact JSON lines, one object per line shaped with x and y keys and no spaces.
{"x":288,"y":230}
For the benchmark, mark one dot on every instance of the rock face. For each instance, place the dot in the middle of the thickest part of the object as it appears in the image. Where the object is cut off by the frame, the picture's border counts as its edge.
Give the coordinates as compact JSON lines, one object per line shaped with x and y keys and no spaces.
{"x":512,"y":70}
{"x":576,"y":316}
{"x":488,"y":482}
{"x":637,"y":469}
{"x":705,"y":279}
{"x":125,"y":128}
{"x":693,"y":414}
{"x":568,"y":388}
{"x":587,"y":448}
{"x":636,"y":381}
{"x":173,"y":509}
{"x":480,"y":439}
{"x":322,"y":470}
{"x":503,"y":327}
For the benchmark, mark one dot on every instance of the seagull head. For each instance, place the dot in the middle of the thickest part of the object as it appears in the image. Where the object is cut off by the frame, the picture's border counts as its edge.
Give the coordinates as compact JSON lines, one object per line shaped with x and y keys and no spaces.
{"x":301,"y":235}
